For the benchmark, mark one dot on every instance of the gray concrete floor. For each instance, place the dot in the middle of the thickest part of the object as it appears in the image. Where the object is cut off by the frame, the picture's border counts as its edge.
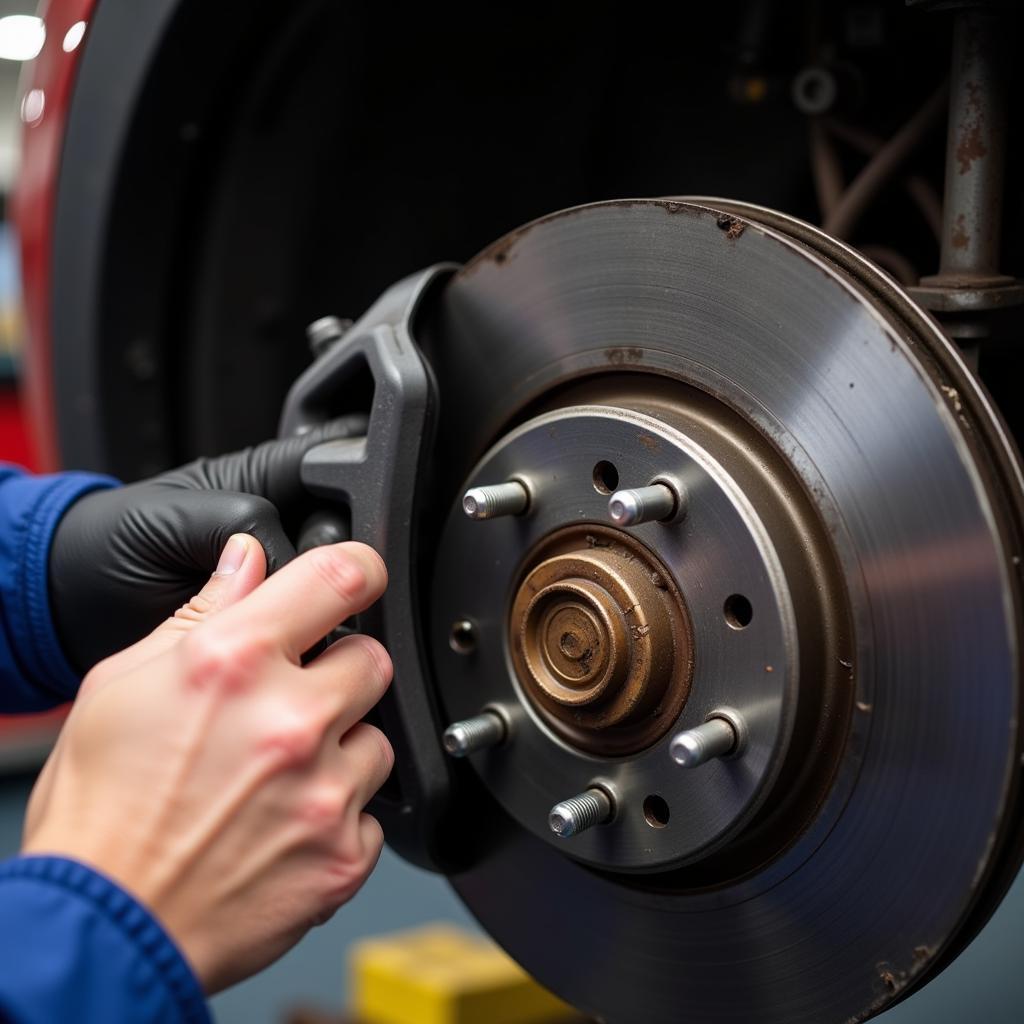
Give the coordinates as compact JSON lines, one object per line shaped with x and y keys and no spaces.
{"x":985,"y":984}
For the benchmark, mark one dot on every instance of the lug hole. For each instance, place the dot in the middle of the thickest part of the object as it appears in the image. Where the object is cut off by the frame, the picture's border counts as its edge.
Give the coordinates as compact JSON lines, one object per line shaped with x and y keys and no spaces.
{"x":656,"y":811}
{"x":738,"y":611}
{"x":606,"y":477}
{"x":462,"y":638}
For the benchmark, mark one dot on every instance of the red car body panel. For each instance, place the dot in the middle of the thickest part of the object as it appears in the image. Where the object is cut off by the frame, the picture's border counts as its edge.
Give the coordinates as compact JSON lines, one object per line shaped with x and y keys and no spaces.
{"x":52,"y":73}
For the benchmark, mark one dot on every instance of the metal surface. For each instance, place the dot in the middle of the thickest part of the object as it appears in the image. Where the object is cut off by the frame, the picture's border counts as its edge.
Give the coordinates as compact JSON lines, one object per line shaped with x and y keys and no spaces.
{"x":600,"y":639}
{"x":976,"y":155}
{"x":969,"y":279}
{"x":902,"y":459}
{"x":323,"y":333}
{"x":643,"y":505}
{"x":575,"y":815}
{"x":714,"y":738}
{"x":488,"y":501}
{"x":474,"y":734}
{"x":608,"y":717}
{"x":374,"y":478}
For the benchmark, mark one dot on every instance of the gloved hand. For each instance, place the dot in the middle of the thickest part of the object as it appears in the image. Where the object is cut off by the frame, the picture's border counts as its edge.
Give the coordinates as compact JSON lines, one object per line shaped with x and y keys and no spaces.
{"x":123,"y":559}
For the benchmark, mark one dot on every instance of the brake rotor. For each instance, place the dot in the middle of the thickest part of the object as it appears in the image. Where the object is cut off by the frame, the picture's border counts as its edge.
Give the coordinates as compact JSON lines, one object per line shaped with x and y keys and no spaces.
{"x":844,"y":576}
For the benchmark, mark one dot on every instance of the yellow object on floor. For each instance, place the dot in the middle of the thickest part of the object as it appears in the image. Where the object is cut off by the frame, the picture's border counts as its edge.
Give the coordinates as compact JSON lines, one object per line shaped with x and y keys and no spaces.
{"x":443,"y":975}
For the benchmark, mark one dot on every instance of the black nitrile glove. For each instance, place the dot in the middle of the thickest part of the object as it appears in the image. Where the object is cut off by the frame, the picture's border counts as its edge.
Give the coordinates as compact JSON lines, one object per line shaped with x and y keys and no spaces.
{"x":124,"y":559}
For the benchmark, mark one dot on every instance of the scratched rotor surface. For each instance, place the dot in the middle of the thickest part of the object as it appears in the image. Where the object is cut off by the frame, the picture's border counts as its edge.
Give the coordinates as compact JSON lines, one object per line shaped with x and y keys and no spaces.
{"x":912,"y":478}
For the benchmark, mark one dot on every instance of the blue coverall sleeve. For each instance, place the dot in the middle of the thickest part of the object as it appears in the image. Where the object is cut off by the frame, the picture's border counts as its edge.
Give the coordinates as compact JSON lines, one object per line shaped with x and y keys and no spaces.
{"x":34,"y":673}
{"x":74,"y":947}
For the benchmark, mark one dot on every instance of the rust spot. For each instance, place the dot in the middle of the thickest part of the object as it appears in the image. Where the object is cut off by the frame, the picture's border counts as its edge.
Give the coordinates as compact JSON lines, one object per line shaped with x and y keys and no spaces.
{"x":732,"y":226}
{"x":921,"y":954}
{"x":624,"y":356}
{"x":971,"y":144}
{"x":649,"y":442}
{"x":500,"y":251}
{"x":890,"y":979}
{"x":960,"y":238}
{"x":954,"y":397}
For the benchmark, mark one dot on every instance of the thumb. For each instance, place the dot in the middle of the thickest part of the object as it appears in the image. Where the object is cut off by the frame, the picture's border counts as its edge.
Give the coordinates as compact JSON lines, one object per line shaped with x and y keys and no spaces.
{"x":241,"y":569}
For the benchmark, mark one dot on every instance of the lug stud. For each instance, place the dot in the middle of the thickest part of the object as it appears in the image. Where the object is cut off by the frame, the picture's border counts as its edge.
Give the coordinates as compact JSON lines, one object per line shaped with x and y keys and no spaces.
{"x":487,"y":729}
{"x":578,"y":813}
{"x":637,"y":505}
{"x":493,"y":500}
{"x":722,"y":735}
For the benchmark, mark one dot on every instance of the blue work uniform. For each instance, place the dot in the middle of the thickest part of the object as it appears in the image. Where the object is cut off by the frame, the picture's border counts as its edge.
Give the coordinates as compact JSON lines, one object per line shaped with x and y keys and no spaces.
{"x":75,"y":948}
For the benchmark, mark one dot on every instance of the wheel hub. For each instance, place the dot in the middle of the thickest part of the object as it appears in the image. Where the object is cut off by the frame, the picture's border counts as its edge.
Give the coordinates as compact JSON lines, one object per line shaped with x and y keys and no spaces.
{"x":598,"y":644}
{"x":600,"y":640}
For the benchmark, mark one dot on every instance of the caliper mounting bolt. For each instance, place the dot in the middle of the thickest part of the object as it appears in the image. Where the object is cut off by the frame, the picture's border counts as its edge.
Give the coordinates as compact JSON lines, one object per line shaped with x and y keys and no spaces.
{"x":493,"y":500}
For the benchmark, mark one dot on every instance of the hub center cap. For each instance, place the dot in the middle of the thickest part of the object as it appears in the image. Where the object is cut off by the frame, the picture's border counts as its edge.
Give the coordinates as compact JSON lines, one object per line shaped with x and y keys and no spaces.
{"x":600,"y":640}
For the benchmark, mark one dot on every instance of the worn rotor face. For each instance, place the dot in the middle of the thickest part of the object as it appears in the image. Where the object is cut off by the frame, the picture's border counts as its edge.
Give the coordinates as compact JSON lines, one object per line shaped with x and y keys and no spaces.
{"x":844,"y":477}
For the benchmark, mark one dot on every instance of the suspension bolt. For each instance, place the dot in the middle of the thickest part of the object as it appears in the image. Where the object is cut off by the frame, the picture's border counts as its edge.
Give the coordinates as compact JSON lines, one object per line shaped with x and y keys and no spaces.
{"x":487,"y":729}
{"x":493,"y":500}
{"x":323,"y":333}
{"x":722,"y":735}
{"x":578,"y":813}
{"x":654,"y":503}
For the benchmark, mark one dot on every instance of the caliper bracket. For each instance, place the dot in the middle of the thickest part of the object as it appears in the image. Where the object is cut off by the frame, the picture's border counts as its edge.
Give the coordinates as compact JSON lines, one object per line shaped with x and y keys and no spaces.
{"x":376,"y":477}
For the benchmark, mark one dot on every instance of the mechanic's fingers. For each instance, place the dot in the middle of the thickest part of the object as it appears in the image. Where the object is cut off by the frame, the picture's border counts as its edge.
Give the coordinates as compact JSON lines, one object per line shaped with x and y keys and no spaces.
{"x":364,"y":759}
{"x":240,"y":570}
{"x":310,"y":596}
{"x":273,"y":468}
{"x":354,"y":853}
{"x":354,"y":672}
{"x":225,"y":513}
{"x":277,"y":546}
{"x":371,"y":839}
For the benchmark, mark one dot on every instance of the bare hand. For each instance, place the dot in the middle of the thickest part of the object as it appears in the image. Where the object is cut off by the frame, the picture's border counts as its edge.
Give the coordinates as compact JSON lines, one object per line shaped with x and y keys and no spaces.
{"x":217,"y":780}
